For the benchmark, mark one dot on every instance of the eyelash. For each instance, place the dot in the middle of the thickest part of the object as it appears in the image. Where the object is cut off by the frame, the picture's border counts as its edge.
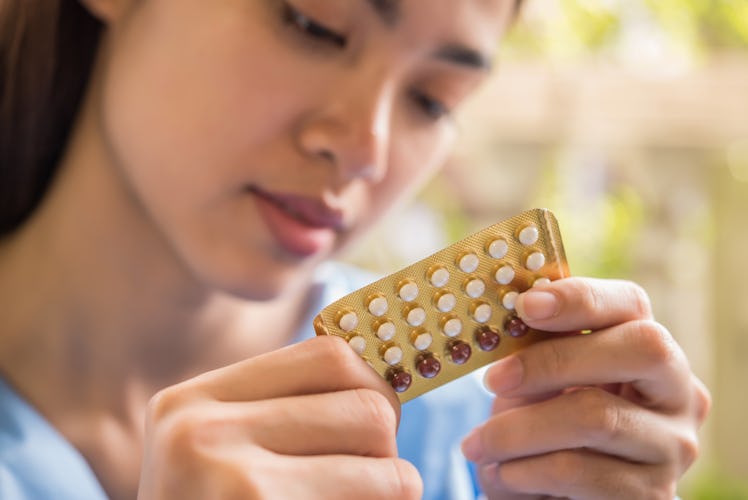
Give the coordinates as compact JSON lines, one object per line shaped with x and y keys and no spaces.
{"x":311,"y":28}
{"x":307,"y":26}
{"x":433,"y":108}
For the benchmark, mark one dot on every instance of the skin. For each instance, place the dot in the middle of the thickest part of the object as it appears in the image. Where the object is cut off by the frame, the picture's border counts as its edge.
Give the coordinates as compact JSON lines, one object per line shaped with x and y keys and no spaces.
{"x":168,"y":293}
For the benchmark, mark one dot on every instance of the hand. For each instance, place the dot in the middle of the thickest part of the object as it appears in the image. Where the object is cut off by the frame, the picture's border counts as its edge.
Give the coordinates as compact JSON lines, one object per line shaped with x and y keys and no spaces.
{"x":308,"y":421}
{"x":612,"y":414}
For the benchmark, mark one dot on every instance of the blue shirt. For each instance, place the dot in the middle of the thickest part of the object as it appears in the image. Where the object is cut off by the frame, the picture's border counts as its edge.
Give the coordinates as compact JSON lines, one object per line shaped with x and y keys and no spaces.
{"x":36,"y":462}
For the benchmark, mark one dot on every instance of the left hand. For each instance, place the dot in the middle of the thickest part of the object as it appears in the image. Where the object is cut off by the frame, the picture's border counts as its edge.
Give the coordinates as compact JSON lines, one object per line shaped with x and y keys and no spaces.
{"x":613,"y":414}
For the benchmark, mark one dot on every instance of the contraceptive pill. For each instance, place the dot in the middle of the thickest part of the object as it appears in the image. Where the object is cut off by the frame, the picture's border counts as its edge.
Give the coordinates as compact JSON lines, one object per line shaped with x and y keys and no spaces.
{"x":454,"y":311}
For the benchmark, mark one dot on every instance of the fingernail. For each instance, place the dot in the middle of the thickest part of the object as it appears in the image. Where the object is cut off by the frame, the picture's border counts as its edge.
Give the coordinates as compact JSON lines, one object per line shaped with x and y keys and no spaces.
{"x":472,"y":447}
{"x":533,"y":305}
{"x":505,"y":375}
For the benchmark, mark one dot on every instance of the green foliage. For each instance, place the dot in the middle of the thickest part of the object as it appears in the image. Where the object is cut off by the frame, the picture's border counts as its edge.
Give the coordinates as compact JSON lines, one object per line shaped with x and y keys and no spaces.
{"x":712,"y":485}
{"x":569,"y":29}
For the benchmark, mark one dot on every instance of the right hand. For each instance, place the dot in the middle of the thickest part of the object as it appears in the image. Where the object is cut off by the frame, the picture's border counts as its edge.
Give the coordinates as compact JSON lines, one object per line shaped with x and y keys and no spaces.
{"x":311,"y":420}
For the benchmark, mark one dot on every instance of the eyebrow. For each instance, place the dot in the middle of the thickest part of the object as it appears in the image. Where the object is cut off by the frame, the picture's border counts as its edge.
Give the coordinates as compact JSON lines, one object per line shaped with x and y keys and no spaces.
{"x":464,"y":56}
{"x":388,"y":10}
{"x":389,"y":13}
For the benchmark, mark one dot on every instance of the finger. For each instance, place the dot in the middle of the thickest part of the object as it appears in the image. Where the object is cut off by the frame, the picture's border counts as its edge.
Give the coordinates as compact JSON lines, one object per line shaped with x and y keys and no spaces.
{"x":581,"y":475}
{"x":642,"y":353}
{"x":587,"y":418}
{"x":354,"y":422}
{"x":501,"y":404}
{"x":322,"y":364}
{"x":574,"y":304}
{"x":343,"y":477}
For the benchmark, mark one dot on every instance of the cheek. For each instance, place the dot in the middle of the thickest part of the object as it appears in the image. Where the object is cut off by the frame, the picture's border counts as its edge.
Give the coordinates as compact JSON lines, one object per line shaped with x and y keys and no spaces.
{"x":188,"y":97}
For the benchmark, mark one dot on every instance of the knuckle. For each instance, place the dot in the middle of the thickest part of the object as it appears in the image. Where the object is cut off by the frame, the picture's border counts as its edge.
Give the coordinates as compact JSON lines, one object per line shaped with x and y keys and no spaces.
{"x":563,"y":468}
{"x":588,"y":296}
{"x":656,"y":342}
{"x":378,"y":412}
{"x":553,"y":359}
{"x":164,"y":403}
{"x":702,"y":401}
{"x":640,"y":299}
{"x":408,"y":482}
{"x":602,"y":418}
{"x":337,"y":356}
{"x":688,"y":450}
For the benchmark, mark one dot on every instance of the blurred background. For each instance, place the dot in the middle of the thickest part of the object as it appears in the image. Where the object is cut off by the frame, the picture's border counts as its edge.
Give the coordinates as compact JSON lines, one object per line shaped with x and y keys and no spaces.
{"x":629,"y":119}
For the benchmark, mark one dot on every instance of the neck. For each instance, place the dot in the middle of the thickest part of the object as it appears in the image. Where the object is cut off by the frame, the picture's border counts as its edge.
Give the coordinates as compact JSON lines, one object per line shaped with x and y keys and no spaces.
{"x":98,"y":309}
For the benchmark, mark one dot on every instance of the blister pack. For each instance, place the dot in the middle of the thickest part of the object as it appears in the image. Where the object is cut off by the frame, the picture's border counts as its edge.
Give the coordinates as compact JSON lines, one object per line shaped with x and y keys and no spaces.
{"x":452,"y":312}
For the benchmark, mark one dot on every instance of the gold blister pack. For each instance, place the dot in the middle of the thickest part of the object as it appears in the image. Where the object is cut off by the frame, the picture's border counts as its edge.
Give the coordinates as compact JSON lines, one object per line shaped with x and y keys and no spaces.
{"x":420,"y":327}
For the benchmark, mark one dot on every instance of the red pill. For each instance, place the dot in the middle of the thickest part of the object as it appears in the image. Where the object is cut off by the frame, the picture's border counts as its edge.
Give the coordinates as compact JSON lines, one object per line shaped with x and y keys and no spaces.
{"x":428,"y":366}
{"x":400,"y":380}
{"x":459,"y":352}
{"x":516,"y":327}
{"x":487,"y":338}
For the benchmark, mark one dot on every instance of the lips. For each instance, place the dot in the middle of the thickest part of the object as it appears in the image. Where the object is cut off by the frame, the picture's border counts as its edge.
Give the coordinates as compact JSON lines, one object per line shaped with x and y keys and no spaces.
{"x":301,"y":225}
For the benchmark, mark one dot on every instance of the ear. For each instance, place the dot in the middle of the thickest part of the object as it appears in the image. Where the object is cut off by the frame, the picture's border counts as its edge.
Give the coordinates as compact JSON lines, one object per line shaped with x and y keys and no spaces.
{"x":106,"y":11}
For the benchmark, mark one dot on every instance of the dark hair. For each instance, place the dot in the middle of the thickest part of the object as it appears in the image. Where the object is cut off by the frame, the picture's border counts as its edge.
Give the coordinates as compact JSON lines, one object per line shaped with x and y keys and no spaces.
{"x":46,"y":54}
{"x":47,"y":49}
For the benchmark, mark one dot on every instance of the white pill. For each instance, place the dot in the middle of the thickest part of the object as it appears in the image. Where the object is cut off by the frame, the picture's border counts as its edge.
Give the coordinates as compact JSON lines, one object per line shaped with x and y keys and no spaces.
{"x":452,"y":327}
{"x":348,"y":321}
{"x":498,"y":248}
{"x":439,"y":277}
{"x":422,"y":341}
{"x":386,"y":331}
{"x":416,"y":316}
{"x":446,"y":302}
{"x":541,"y":281}
{"x":509,"y":299}
{"x":378,"y":306}
{"x":357,"y":343}
{"x":504,"y":275}
{"x":475,"y":288}
{"x":528,"y":235}
{"x":535,"y":261}
{"x":482,"y":313}
{"x":408,"y":291}
{"x":468,"y":262}
{"x":393,"y":355}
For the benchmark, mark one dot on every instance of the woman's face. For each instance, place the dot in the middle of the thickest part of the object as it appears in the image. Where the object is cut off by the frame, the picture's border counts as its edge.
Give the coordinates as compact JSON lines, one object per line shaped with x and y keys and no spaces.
{"x":260,"y":136}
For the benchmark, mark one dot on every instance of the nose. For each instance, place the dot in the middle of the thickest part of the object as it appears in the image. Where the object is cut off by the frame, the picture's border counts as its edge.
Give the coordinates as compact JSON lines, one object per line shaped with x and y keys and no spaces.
{"x":351,"y":130}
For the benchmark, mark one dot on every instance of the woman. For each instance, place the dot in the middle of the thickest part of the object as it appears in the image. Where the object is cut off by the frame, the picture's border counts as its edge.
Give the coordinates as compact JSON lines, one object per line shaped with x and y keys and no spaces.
{"x":164,"y":239}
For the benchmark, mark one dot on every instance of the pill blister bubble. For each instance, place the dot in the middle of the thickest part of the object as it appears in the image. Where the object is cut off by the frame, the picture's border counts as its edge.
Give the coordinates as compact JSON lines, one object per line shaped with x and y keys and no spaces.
{"x":378,"y":306}
{"x":468,"y":262}
{"x":446,"y":301}
{"x":422,"y":340}
{"x":393,"y":355}
{"x":509,"y":299}
{"x":439,"y":277}
{"x":348,"y":321}
{"x":416,"y":316}
{"x":528,"y":235}
{"x":452,"y":327}
{"x":504,"y":275}
{"x":475,"y":287}
{"x":358,"y":344}
{"x":541,"y":281}
{"x":385,"y":331}
{"x":408,"y":291}
{"x":482,"y":312}
{"x":535,"y":261}
{"x":498,"y":248}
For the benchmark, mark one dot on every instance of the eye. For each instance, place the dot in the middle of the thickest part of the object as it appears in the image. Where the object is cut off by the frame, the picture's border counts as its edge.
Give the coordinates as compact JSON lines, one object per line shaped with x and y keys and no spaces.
{"x":311,"y":28}
{"x":433,"y":108}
